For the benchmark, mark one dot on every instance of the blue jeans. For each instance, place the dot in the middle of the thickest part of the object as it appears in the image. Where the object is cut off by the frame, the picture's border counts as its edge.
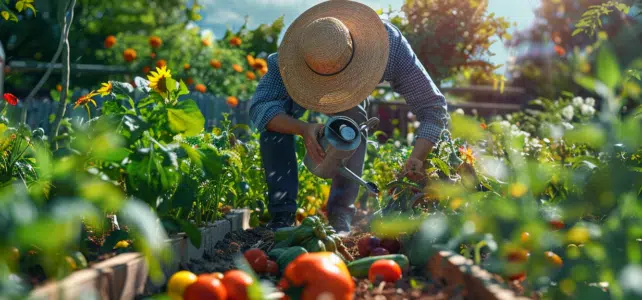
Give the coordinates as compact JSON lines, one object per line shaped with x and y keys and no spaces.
{"x":281,"y":171}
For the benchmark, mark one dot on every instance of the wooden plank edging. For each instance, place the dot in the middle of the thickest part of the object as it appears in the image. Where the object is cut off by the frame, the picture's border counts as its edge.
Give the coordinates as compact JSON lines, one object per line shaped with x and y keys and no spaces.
{"x":455,"y":270}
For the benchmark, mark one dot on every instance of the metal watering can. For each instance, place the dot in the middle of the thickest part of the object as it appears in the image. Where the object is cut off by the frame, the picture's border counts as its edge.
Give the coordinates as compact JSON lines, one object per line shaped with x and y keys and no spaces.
{"x":340,"y":138}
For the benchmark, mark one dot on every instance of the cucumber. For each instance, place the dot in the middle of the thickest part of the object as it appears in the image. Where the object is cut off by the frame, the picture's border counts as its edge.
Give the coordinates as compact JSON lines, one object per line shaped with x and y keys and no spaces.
{"x":314,"y":245}
{"x":329,"y":230}
{"x":282,"y":234}
{"x":302,"y":233}
{"x":309,"y":221}
{"x":284,"y":244}
{"x":329,"y":244}
{"x":359,"y":268}
{"x":288,"y":256}
{"x":276,"y":252}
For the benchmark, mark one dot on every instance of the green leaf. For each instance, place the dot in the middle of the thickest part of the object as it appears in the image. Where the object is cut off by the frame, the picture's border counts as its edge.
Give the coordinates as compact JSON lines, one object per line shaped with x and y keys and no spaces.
{"x":577,"y":31}
{"x":186,"y":118}
{"x":591,"y":135}
{"x":170,"y":84}
{"x":608,"y":69}
{"x":116,"y":155}
{"x":139,"y":217}
{"x":586,"y":82}
{"x":441,"y":165}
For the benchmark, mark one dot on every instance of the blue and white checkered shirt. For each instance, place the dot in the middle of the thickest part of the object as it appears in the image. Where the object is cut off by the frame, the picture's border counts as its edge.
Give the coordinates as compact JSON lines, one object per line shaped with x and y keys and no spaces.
{"x":404,"y":72}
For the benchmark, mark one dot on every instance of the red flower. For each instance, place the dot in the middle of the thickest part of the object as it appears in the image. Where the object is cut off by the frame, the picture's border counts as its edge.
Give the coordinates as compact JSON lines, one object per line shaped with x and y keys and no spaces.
{"x":11,"y":99}
{"x":560,"y":50}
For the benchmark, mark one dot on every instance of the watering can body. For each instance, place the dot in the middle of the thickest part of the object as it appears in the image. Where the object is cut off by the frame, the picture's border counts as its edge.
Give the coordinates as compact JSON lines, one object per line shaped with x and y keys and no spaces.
{"x":340,"y":138}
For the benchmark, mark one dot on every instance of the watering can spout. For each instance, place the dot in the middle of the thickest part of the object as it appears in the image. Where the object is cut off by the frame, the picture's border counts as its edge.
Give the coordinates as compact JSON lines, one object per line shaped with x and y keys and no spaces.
{"x":371,"y":187}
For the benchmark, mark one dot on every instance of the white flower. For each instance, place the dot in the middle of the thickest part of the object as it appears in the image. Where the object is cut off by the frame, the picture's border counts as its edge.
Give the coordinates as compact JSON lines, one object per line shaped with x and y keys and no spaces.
{"x":416,"y":124}
{"x":459,"y":111}
{"x":567,"y":125}
{"x":509,"y":117}
{"x":505,"y":125}
{"x":577,"y":101}
{"x":474,"y":111}
{"x":410,"y":115}
{"x":587,"y":110}
{"x":590,"y":101}
{"x":568,"y":112}
{"x":410,"y":138}
{"x":397,"y":144}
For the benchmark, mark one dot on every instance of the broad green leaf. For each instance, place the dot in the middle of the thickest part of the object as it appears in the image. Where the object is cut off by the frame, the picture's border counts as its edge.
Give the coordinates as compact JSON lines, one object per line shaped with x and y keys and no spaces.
{"x":186,"y":118}
{"x":3,"y":128}
{"x":140,"y":218}
{"x":591,"y":135}
{"x":183,"y":90}
{"x":170,"y":84}
{"x":586,"y":82}
{"x":608,"y":68}
{"x":466,"y":128}
{"x":441,"y":165}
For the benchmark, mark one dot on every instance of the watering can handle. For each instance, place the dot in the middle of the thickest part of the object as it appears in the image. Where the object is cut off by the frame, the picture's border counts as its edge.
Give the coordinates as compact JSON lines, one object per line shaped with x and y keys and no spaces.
{"x":372,"y":123}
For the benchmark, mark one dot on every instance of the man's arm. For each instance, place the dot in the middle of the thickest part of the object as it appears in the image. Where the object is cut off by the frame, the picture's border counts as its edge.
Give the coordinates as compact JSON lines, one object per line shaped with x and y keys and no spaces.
{"x":408,"y":77}
{"x":268,"y":113}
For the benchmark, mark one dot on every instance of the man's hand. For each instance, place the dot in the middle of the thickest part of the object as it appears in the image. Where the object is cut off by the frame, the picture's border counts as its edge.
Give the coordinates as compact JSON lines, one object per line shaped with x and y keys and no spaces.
{"x":414,"y":169}
{"x":310,"y":136}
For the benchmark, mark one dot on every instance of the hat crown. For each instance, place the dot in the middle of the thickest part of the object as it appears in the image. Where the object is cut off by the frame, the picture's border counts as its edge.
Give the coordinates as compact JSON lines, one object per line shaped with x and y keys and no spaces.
{"x":326,"y":45}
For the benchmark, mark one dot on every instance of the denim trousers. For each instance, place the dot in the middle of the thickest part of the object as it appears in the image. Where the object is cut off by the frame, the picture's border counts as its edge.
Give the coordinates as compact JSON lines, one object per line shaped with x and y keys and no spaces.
{"x":281,"y":170}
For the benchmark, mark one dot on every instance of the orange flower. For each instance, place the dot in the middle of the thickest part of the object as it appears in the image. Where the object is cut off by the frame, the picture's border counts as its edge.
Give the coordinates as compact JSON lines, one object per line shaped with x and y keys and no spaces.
{"x":235,"y":41}
{"x":468,"y":155}
{"x":110,"y":41}
{"x":483,"y":126}
{"x":155,"y":41}
{"x":161,"y":63}
{"x":186,"y":67}
{"x":146,"y":69}
{"x":189,"y":81}
{"x":206,"y":42}
{"x":58,"y":87}
{"x":556,"y":37}
{"x":215,"y":64}
{"x":153,"y":55}
{"x":232,"y":101}
{"x":250,"y":60}
{"x":237,"y":68}
{"x":560,"y":50}
{"x":201,"y":88}
{"x":129,"y":54}
{"x":259,"y":64}
{"x":250,"y":75}
{"x":263,"y":71}
{"x":86,"y":99}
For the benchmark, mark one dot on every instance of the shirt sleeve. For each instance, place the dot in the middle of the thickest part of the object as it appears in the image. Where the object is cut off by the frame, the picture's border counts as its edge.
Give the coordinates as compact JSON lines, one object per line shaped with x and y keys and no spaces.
{"x":270,"y":98}
{"x":409,"y":78}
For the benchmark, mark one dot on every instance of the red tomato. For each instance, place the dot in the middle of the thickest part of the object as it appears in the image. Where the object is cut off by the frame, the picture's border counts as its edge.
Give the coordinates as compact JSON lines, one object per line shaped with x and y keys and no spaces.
{"x":517,"y":277}
{"x":556,"y":224}
{"x":272,"y":268}
{"x":205,"y":287}
{"x":517,"y":255}
{"x":385,"y":270}
{"x":236,"y":283}
{"x":217,"y":275}
{"x":257,"y":259}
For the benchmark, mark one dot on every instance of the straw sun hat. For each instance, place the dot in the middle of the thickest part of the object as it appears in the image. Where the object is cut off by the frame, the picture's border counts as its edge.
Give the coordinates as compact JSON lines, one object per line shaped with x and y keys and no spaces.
{"x":333,"y":56}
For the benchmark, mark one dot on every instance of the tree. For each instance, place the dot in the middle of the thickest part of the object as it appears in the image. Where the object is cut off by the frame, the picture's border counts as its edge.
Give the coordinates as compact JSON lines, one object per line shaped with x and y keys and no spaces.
{"x":451,"y":36}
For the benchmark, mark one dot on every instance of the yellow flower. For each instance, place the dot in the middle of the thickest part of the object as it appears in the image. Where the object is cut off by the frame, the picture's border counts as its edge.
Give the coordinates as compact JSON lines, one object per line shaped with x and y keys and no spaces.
{"x":86,"y":99}
{"x":5,"y":15}
{"x":468,"y":155}
{"x":157,"y":79}
{"x":105,"y":89}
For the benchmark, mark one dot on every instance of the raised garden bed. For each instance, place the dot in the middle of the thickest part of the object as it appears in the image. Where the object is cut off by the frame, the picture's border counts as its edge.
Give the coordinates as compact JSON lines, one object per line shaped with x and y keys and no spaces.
{"x":125,"y":276}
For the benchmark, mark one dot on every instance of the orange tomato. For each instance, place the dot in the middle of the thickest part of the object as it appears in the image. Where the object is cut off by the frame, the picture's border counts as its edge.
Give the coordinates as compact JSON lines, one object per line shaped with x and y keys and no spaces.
{"x":384,"y":270}
{"x":318,"y":273}
{"x":517,"y":255}
{"x":257,"y":259}
{"x":235,"y":41}
{"x":205,"y":287}
{"x":236,"y":283}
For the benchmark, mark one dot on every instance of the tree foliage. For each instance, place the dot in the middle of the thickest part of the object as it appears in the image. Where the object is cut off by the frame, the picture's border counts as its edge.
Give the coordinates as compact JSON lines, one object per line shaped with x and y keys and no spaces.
{"x":450,"y":36}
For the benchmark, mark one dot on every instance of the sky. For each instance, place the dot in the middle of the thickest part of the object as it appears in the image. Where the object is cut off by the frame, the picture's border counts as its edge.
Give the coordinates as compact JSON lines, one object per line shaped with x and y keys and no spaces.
{"x":220,"y":14}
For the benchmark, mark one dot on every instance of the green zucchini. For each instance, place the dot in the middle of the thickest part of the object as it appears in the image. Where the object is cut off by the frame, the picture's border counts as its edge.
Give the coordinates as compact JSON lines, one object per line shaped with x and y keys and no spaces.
{"x":309,"y":221}
{"x":314,"y":245}
{"x":284,"y":244}
{"x":329,"y":230}
{"x":276,"y":252}
{"x":282,"y":234}
{"x":288,"y":256}
{"x":360,"y":267}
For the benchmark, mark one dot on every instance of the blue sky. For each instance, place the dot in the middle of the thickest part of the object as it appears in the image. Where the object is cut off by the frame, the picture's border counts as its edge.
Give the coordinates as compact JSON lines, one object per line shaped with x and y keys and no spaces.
{"x":219,"y":14}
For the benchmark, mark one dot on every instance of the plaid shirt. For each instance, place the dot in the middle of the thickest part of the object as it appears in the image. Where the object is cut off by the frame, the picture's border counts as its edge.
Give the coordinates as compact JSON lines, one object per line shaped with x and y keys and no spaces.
{"x":404,"y":72}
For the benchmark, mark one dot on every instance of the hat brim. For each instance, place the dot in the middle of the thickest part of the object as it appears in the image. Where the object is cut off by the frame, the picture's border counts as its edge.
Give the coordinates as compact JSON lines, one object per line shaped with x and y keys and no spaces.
{"x":345,"y":90}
